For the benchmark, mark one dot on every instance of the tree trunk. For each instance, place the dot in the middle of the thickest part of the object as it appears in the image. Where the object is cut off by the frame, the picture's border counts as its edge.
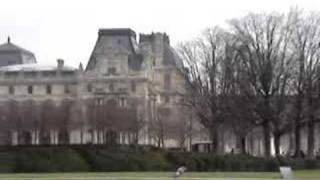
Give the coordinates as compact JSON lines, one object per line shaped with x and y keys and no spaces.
{"x":214,"y":139}
{"x":311,"y":138}
{"x":310,"y":123}
{"x":159,"y":143}
{"x":81,"y":136}
{"x":297,"y":126}
{"x":266,"y":139}
{"x":243,"y":145}
{"x":277,"y":143}
{"x":98,"y":136}
{"x":297,"y":136}
{"x":162,"y":142}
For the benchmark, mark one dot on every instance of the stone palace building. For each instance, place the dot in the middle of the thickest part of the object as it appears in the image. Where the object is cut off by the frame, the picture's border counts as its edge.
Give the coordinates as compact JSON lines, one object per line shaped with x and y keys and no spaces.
{"x":131,"y":92}
{"x":60,"y":104}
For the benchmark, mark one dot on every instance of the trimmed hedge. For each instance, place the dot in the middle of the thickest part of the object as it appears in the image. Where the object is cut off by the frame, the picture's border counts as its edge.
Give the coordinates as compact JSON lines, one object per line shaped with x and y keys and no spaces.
{"x":210,"y":162}
{"x":102,"y":158}
{"x":49,"y":160}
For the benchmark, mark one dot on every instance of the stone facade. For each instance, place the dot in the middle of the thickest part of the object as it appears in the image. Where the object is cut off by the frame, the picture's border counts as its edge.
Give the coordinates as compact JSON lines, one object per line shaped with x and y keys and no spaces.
{"x":143,"y":75}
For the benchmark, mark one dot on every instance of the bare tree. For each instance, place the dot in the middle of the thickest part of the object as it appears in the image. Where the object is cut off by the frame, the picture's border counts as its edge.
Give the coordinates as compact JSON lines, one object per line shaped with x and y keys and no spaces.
{"x":78,"y":117}
{"x":208,"y":84}
{"x":48,"y":115}
{"x":7,"y":125}
{"x":63,"y":120}
{"x":263,"y":41}
{"x":26,"y":113}
{"x":306,"y":44}
{"x":158,"y":126}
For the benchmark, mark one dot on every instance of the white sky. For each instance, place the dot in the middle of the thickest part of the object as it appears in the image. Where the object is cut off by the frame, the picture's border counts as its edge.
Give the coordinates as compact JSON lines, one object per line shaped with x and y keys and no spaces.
{"x":68,"y":28}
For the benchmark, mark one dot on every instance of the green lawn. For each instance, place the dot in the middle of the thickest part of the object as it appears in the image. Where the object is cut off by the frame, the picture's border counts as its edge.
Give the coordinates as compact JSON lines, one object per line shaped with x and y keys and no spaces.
{"x":299,"y":175}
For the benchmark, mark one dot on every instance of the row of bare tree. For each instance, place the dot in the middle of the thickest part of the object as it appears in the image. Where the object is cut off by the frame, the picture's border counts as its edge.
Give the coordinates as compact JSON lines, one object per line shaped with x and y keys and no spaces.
{"x":260,"y":71}
{"x":43,"y":117}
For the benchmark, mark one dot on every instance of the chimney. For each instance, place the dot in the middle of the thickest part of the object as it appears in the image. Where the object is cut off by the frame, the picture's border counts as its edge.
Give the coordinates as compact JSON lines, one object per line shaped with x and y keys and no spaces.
{"x":60,"y":63}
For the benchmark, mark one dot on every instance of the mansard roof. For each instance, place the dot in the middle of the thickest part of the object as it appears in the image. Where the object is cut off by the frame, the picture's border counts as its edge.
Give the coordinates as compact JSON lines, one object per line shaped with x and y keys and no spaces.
{"x":123,"y":40}
{"x":120,"y":40}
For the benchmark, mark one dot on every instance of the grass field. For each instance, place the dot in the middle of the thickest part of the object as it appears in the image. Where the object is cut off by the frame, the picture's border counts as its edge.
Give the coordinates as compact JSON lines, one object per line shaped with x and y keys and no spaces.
{"x":299,"y":175}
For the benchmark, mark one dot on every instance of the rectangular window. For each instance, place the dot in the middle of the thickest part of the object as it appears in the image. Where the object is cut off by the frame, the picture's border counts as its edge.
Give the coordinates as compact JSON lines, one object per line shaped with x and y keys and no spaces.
{"x":49,"y":89}
{"x":167,"y":81}
{"x":111,"y":87}
{"x":133,"y":86}
{"x":112,"y":71}
{"x":122,"y":102}
{"x":30,"y":74}
{"x":166,"y":99}
{"x":66,"y":89}
{"x":11,"y":90}
{"x":30,"y":89}
{"x":48,"y":73}
{"x":89,"y":88}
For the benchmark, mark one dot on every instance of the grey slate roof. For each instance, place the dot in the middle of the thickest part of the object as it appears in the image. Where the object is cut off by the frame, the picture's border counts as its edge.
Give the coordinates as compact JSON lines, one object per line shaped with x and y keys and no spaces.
{"x":120,"y":40}
{"x":10,"y":47}
{"x":170,"y":57}
{"x":123,"y":40}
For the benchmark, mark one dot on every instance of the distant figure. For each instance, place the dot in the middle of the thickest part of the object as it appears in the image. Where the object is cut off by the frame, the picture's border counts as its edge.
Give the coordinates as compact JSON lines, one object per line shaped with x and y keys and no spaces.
{"x":180,"y":171}
{"x":286,"y":173}
{"x":232,"y":151}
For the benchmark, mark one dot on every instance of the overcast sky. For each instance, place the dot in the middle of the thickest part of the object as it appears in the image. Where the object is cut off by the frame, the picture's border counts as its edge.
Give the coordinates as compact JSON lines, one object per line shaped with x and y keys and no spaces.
{"x":68,"y":28}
